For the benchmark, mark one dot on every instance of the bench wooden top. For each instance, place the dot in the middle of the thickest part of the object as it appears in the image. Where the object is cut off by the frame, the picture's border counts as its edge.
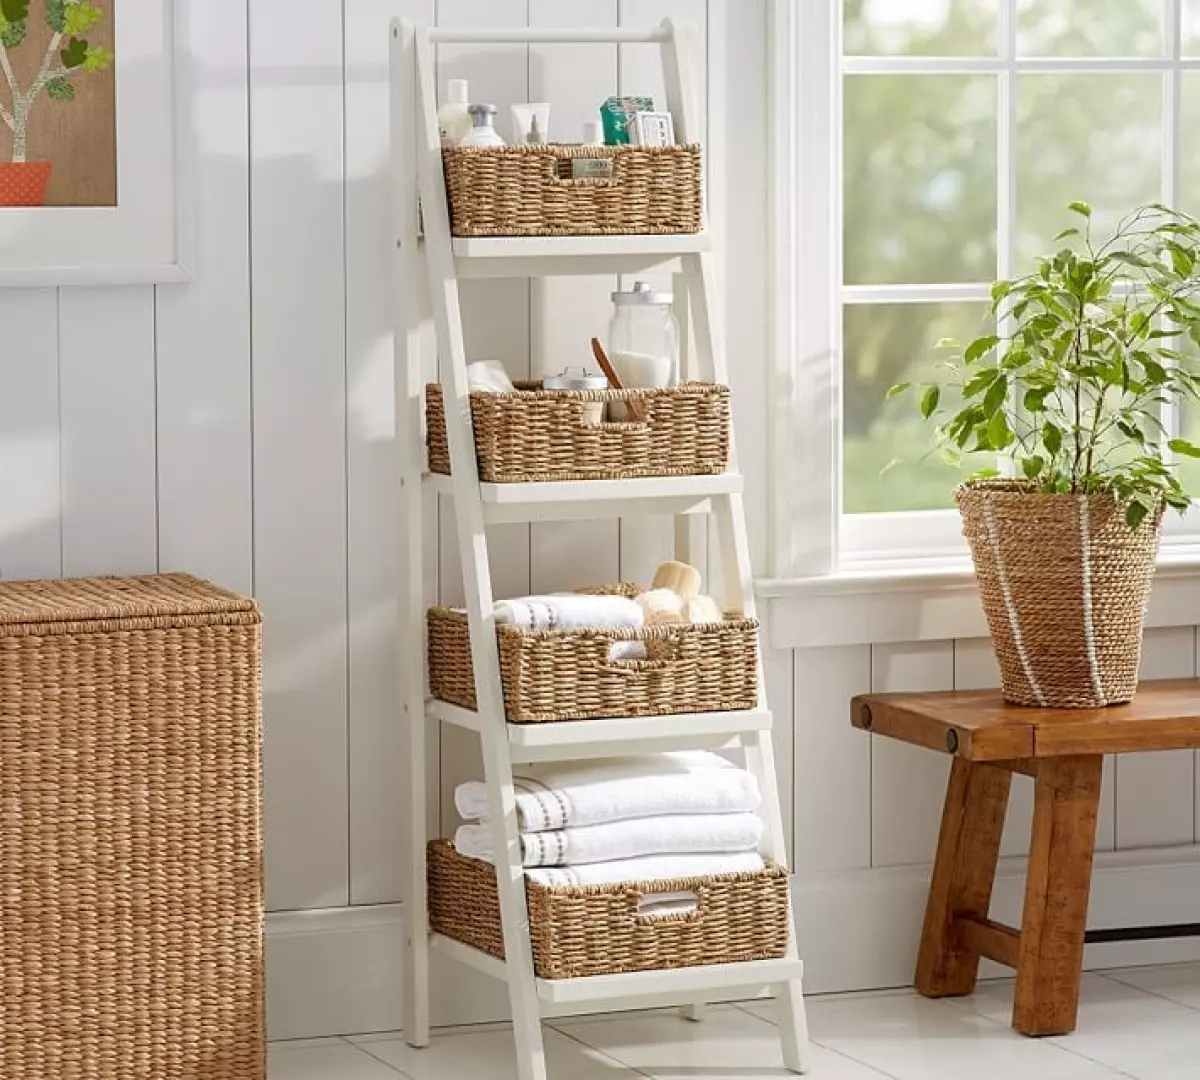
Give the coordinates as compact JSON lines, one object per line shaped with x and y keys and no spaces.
{"x":980,"y":725}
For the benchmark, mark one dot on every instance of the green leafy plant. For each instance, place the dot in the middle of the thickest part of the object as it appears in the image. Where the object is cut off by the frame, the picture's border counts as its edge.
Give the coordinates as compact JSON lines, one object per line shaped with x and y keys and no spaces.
{"x":67,"y":55}
{"x":1087,"y":361}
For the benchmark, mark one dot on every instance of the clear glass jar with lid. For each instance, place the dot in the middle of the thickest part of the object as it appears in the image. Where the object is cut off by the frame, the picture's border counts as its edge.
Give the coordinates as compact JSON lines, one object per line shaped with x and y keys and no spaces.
{"x":643,"y":338}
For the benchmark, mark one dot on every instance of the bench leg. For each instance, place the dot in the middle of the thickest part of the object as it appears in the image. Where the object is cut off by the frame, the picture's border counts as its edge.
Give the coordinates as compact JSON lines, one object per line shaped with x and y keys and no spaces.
{"x":1059,"y":883}
{"x":963,"y":875}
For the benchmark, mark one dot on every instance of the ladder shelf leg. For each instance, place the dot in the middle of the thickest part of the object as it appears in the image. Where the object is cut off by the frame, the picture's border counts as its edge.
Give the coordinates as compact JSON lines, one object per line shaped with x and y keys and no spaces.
{"x":410,"y":608}
{"x":473,"y":548}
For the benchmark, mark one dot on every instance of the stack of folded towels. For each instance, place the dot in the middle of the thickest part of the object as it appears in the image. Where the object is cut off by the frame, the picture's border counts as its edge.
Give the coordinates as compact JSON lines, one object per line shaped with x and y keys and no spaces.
{"x":657,"y":817}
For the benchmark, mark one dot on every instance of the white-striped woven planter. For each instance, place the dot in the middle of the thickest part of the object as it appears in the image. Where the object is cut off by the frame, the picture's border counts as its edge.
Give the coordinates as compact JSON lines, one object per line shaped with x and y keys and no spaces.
{"x":1064,"y":584}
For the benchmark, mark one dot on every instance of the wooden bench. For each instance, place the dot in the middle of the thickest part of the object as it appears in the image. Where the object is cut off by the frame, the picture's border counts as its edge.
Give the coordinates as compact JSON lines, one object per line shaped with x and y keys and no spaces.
{"x":1063,"y":750}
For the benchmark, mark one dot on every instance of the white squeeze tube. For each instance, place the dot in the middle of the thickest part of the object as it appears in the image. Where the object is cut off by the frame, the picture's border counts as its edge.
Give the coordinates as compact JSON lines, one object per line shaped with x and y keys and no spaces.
{"x":531,"y":123}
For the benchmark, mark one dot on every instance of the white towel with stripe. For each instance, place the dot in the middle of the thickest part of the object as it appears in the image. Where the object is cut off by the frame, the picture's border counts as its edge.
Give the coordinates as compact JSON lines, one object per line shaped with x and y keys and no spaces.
{"x":680,"y":834}
{"x":574,"y":794}
{"x":649,"y":868}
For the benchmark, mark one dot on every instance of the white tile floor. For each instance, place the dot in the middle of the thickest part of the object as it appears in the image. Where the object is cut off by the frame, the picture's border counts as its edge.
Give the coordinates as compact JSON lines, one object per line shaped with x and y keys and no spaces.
{"x":1142,"y":1023}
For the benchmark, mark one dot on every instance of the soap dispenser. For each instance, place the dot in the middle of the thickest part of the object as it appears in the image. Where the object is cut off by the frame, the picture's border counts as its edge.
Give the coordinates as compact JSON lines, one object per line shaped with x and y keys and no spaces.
{"x":483,"y":133}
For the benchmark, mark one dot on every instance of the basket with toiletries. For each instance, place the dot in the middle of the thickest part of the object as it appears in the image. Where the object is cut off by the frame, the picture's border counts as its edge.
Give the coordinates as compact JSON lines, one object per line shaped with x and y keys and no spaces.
{"x":629,"y":925}
{"x":559,"y":189}
{"x":532,"y":434}
{"x":614,"y":651}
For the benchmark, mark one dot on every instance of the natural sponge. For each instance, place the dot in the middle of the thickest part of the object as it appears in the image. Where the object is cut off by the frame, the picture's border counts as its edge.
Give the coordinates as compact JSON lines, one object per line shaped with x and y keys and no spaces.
{"x":680,"y":578}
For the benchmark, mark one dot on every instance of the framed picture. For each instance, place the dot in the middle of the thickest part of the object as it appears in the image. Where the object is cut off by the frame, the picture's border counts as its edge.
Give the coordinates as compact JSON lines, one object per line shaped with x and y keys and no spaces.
{"x":93,"y":169}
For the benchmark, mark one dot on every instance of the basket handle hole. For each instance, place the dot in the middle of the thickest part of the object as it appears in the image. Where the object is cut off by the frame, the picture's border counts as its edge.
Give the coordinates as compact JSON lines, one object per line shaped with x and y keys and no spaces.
{"x":669,"y":905}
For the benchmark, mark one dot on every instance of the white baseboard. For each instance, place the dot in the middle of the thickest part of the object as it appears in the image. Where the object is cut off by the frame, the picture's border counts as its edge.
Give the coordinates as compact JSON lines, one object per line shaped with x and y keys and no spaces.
{"x":337,"y":971}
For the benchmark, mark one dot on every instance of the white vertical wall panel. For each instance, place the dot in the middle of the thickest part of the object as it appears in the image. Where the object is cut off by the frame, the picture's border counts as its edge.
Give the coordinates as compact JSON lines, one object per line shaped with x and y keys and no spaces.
{"x":567,"y":311}
{"x":30,"y":520}
{"x":908,"y":784}
{"x":376,"y":745}
{"x":202,"y":329}
{"x":299,"y":393}
{"x":106,"y":389}
{"x":975,"y":668}
{"x":1155,"y":805}
{"x":832,"y":777}
{"x":645,"y":542}
{"x":737,"y":48}
{"x":779,"y":671}
{"x":496,"y":327}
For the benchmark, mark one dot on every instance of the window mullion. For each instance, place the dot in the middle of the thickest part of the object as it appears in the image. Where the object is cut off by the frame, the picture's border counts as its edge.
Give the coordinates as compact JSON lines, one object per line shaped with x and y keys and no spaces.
{"x":1006,"y":172}
{"x":1172,"y":151}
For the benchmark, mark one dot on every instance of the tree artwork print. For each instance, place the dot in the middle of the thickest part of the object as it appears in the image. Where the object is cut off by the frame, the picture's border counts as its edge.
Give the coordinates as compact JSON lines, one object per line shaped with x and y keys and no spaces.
{"x":57,"y":103}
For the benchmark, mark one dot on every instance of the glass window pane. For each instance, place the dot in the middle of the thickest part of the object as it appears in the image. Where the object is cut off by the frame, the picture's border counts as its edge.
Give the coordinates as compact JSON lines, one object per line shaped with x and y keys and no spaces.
{"x":920,"y":178}
{"x":1191,"y":27}
{"x":1092,"y":137}
{"x":1089,"y":28}
{"x":1189,"y":156}
{"x":920,"y":27}
{"x":886,"y":344}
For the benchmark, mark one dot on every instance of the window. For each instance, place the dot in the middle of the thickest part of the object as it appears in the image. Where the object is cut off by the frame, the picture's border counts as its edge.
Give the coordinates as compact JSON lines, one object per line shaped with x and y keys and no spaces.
{"x":958,"y":130}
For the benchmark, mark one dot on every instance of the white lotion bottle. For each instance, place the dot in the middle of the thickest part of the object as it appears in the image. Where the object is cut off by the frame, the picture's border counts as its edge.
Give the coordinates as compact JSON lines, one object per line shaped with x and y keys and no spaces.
{"x":454,"y":121}
{"x":483,"y":127}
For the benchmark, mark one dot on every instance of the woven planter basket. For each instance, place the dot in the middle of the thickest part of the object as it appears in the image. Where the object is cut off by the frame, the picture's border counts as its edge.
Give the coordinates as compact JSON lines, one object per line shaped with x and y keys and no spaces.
{"x":1064,"y":583}
{"x":130,"y":847}
{"x":581,"y":930}
{"x":551,"y":675}
{"x":540,"y":435}
{"x":529,"y":191}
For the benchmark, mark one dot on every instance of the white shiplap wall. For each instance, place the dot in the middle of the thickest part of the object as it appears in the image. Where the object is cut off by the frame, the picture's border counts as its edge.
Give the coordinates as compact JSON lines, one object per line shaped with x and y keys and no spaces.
{"x":240,"y":427}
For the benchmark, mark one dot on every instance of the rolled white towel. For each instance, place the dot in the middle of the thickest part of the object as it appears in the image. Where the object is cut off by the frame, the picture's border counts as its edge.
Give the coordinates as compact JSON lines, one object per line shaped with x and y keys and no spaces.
{"x":570,"y":794}
{"x":680,"y":834}
{"x":569,"y":611}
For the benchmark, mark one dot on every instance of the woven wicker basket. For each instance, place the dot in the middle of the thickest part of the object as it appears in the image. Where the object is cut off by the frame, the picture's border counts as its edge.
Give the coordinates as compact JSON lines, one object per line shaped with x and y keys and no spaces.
{"x":130,"y":850}
{"x":528,"y":191}
{"x":1064,"y":583}
{"x":567,"y":675}
{"x":580,"y":930}
{"x":539,"y":435}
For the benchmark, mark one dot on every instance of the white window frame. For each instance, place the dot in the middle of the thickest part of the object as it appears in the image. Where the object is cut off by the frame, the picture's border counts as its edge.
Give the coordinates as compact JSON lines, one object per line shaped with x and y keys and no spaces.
{"x":810,"y":536}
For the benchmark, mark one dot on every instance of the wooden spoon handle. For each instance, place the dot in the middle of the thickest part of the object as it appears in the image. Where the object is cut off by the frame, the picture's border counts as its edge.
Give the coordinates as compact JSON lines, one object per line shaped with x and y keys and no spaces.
{"x":614,"y":380}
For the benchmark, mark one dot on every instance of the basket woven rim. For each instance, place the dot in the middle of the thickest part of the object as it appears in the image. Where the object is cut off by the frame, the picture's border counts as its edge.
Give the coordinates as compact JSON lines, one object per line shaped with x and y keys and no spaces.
{"x":532,"y":392}
{"x":632,"y":633}
{"x":103,"y":599}
{"x":568,"y":150}
{"x":1017,"y":489}
{"x":635,"y":887}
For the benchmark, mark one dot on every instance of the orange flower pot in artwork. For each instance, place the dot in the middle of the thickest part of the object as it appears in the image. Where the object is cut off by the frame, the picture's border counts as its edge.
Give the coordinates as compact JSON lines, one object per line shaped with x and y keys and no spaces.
{"x":23,"y":183}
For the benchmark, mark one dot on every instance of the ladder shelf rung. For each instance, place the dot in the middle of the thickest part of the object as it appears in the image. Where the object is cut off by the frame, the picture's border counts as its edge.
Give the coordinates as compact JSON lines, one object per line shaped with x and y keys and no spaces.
{"x":677,"y":983}
{"x":613,"y":736}
{"x":551,"y":256}
{"x":572,"y":500}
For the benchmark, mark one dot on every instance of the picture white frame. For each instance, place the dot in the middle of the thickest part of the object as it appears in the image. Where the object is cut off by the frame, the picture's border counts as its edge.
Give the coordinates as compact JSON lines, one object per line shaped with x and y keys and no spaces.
{"x":154,"y":219}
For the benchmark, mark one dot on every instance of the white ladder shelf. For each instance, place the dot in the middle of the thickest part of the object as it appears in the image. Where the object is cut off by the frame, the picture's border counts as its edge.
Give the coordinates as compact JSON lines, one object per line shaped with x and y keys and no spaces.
{"x":429,"y":266}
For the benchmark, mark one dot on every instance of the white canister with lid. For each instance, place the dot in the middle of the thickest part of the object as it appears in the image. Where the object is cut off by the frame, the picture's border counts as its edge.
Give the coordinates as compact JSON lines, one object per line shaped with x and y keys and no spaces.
{"x":643,"y":339}
{"x":577,"y":378}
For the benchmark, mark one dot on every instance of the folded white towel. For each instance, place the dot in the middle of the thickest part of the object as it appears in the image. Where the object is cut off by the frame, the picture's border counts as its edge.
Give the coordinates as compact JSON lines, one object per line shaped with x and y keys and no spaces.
{"x":649,"y":868}
{"x":571,"y":794}
{"x":570,"y":611}
{"x":680,"y":834}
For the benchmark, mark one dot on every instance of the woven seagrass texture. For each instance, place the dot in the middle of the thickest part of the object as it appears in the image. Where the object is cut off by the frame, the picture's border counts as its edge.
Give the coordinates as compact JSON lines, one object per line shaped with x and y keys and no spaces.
{"x":550,"y":675}
{"x":529,"y":191}
{"x":1065,"y":584}
{"x":540,"y":435}
{"x":130,"y":842}
{"x":580,"y":930}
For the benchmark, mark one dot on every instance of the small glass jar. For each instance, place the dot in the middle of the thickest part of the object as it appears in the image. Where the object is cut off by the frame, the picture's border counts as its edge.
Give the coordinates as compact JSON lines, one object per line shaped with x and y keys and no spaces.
{"x":577,"y":378}
{"x":643,"y":339}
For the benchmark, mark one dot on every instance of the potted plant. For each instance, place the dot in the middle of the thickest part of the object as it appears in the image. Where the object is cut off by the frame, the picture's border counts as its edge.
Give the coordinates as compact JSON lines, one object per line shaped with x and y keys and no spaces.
{"x":1071,"y":392}
{"x":67,"y":55}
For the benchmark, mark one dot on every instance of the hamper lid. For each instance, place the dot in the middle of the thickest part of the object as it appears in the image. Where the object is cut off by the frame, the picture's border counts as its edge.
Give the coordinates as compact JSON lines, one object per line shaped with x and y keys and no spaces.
{"x":97,"y":599}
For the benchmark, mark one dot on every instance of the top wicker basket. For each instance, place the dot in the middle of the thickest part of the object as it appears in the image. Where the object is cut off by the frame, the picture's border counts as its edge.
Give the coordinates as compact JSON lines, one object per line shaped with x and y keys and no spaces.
{"x":529,"y":191}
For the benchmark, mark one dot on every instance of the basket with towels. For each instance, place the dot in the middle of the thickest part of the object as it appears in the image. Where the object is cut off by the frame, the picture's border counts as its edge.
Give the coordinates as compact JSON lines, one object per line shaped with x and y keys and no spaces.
{"x":632,"y":864}
{"x":616,"y":651}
